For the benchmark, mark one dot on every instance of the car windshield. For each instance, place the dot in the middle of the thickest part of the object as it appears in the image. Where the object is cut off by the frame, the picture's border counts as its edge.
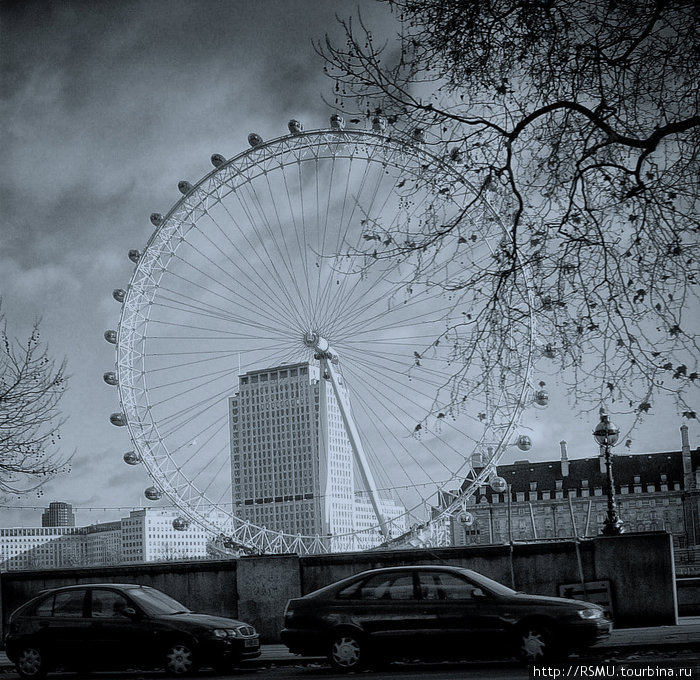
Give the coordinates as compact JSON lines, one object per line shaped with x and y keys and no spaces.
{"x":155,"y":602}
{"x":488,"y":583}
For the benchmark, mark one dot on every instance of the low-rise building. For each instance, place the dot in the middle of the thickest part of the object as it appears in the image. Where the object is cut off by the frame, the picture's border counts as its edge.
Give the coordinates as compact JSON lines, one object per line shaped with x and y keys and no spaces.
{"x":568,"y":498}
{"x":148,"y":535}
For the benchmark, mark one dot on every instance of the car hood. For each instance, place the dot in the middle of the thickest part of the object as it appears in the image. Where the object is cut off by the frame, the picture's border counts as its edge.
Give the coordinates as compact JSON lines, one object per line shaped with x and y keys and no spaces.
{"x":563,"y":602}
{"x":204,"y":620}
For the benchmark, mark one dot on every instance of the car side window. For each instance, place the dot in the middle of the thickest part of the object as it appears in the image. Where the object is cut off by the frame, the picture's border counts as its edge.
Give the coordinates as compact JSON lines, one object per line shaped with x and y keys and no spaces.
{"x":69,"y":603}
{"x":436,"y":585}
{"x":45,"y":607}
{"x":108,"y":604}
{"x":388,"y":587}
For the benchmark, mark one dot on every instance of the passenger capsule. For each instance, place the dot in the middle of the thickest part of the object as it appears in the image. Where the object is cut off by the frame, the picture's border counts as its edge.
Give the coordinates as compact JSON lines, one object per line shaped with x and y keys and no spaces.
{"x":135,"y":255}
{"x":456,"y":155}
{"x":118,"y":419}
{"x":180,"y":524}
{"x":119,"y":294}
{"x":110,"y":378}
{"x":254,"y":139}
{"x":337,"y":122}
{"x":524,"y":442}
{"x":217,"y":160}
{"x":295,"y":127}
{"x":153,"y":493}
{"x":498,"y":484}
{"x":132,"y":458}
{"x":418,"y":135}
{"x":111,"y":337}
{"x":541,"y":397}
{"x":156,"y":219}
{"x":549,"y":351}
{"x":465,"y":518}
{"x":184,"y":187}
{"x":379,"y":124}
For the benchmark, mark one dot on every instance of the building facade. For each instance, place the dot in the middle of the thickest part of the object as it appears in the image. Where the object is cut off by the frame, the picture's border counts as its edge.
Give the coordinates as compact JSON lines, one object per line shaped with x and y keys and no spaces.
{"x":292,"y":464}
{"x":41,"y":548}
{"x":147,"y":535}
{"x":568,"y":498}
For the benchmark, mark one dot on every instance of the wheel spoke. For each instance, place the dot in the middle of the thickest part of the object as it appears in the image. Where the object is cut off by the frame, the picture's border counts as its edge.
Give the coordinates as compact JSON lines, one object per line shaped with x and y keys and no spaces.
{"x":278,"y":242}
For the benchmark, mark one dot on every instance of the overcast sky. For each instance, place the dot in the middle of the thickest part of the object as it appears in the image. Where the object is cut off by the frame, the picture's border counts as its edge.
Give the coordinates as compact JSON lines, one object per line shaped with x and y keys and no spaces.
{"x":105,"y":106}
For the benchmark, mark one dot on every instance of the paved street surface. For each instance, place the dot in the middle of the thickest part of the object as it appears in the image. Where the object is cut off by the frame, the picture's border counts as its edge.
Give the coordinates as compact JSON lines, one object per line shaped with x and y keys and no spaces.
{"x":590,"y":667}
{"x":667,"y":648}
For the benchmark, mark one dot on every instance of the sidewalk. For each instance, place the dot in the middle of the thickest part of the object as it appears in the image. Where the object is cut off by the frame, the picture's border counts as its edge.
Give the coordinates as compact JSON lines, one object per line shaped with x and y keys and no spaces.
{"x":687,"y":632}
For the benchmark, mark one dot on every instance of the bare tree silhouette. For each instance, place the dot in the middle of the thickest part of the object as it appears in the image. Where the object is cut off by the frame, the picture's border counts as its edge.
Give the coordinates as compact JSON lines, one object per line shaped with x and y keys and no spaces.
{"x":577,"y":120}
{"x":31,"y":386}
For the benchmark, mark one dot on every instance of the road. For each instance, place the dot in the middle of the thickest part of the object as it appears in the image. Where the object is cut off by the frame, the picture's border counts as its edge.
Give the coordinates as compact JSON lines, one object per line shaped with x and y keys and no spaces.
{"x":682,"y":664}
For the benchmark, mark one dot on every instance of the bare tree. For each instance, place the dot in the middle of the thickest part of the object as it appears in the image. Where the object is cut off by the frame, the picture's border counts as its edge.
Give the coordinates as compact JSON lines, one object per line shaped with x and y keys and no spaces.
{"x":578,"y":121}
{"x":31,"y":386}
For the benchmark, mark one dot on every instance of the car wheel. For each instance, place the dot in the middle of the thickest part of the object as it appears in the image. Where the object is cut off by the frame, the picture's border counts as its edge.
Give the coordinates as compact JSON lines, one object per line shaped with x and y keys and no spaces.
{"x":346,"y":652}
{"x":535,"y":644}
{"x":180,"y":659}
{"x":30,"y":663}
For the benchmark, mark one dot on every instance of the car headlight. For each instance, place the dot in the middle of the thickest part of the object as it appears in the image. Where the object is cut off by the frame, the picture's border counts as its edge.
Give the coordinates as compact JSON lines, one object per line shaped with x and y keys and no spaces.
{"x":590,"y":613}
{"x":220,"y":632}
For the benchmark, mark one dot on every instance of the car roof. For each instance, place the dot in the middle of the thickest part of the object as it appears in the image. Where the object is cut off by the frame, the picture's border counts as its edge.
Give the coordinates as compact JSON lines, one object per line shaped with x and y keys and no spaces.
{"x":74,"y":586}
{"x":416,"y":567}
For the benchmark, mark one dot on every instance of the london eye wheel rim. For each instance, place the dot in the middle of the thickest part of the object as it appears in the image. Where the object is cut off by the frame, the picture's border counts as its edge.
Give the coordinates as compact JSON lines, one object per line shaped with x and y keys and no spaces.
{"x":212,"y":189}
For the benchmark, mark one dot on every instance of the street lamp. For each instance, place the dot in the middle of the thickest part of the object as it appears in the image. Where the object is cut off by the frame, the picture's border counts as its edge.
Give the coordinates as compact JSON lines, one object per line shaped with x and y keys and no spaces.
{"x":606,"y":434}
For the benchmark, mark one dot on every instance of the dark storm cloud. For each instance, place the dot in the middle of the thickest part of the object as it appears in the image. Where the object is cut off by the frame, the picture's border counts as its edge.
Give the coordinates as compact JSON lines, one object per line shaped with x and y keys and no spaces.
{"x":104,"y":106}
{"x":93,"y":89}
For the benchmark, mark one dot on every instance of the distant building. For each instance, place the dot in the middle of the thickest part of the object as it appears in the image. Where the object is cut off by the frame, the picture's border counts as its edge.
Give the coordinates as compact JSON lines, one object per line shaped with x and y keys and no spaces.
{"x":103,"y":543}
{"x":58,"y":514}
{"x":567,"y":498}
{"x":41,"y":548}
{"x":148,"y":535}
{"x":292,"y":465}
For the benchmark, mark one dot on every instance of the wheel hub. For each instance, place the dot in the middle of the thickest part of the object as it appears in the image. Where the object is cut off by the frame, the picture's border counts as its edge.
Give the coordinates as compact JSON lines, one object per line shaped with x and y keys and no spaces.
{"x":315,"y":341}
{"x":533,"y":645}
{"x":346,"y":652}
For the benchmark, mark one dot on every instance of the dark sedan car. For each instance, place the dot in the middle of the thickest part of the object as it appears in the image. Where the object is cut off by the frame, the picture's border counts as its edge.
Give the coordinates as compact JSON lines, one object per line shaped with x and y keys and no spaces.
{"x":116,"y":626}
{"x":435,"y":612}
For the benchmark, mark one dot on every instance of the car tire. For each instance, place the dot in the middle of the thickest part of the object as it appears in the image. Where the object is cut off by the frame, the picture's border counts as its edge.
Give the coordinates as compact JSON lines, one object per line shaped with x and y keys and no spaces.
{"x":346,"y":652}
{"x":31,"y":663}
{"x":179,"y":659}
{"x":535,"y":643}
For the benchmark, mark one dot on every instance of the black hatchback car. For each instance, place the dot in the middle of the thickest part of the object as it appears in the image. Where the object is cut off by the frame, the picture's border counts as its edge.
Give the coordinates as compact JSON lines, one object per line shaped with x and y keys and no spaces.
{"x":117,"y":626}
{"x":435,"y":612}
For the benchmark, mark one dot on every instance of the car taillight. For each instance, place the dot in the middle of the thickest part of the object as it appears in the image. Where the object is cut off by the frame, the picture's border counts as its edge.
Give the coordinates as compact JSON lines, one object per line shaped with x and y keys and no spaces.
{"x":288,"y":613}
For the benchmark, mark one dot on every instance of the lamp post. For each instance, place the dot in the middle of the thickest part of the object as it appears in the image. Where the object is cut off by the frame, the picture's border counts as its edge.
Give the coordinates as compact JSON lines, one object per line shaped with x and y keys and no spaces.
{"x":606,"y":434}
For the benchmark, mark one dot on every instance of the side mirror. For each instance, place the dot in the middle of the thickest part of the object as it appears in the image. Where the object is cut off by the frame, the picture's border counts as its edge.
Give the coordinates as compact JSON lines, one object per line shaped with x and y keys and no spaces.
{"x":129,"y":612}
{"x":478,"y":593}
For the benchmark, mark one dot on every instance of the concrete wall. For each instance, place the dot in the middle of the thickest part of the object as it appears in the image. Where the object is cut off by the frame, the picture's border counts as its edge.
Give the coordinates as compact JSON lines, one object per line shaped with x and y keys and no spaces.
{"x":634,"y":560}
{"x":638,"y":567}
{"x":264,"y":586}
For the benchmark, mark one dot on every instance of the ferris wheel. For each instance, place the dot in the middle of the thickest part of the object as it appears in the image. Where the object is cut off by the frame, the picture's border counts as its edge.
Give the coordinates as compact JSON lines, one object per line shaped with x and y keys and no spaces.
{"x":275,"y":259}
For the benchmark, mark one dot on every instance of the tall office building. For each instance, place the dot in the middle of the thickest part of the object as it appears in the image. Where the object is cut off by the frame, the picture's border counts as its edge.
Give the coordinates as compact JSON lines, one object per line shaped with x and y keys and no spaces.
{"x":291,"y":459}
{"x":58,"y":514}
